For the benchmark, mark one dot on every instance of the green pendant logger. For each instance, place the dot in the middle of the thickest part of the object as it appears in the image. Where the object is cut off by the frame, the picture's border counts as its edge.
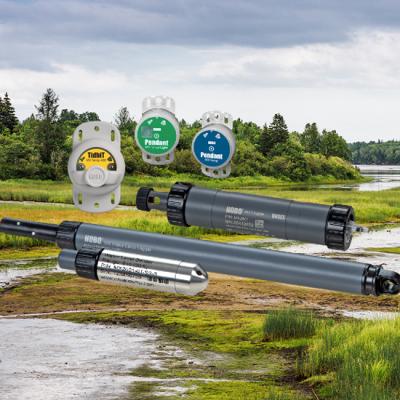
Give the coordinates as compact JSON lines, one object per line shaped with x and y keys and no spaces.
{"x":157,"y":133}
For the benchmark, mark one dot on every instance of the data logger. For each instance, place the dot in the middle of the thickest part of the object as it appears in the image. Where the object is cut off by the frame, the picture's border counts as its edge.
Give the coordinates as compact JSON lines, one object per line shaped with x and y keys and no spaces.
{"x":188,"y":205}
{"x":214,"y":146}
{"x":96,"y":166}
{"x":157,"y":133}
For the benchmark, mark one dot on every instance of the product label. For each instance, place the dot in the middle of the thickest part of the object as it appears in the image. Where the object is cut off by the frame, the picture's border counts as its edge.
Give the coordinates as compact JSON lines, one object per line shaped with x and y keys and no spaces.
{"x":135,"y":271}
{"x":156,"y":136}
{"x":211,"y":148}
{"x":98,"y":157}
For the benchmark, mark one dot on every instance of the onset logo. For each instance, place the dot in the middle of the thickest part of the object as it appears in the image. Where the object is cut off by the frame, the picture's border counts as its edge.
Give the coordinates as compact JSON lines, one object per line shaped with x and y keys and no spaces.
{"x":234,"y":210}
{"x":93,"y":239}
{"x":281,"y":217}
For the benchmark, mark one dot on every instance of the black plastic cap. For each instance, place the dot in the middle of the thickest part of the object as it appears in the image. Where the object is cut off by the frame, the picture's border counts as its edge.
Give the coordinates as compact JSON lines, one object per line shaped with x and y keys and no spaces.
{"x":338,"y":230}
{"x":66,"y":232}
{"x":176,"y":203}
{"x":86,"y":263}
{"x":369,"y":284}
{"x":142,"y":197}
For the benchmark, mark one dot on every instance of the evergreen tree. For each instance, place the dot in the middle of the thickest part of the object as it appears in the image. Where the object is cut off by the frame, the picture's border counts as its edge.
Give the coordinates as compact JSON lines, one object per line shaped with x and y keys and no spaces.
{"x":8,"y":118}
{"x":47,"y":110}
{"x":123,"y":119}
{"x":311,"y":138}
{"x":265,"y":142}
{"x":278,"y":129}
{"x":276,"y":133}
{"x":1,"y":114}
{"x":49,"y":135}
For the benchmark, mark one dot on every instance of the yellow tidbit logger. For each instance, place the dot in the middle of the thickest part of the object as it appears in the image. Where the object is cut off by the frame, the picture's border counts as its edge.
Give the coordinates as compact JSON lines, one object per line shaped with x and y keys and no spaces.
{"x":96,"y":166}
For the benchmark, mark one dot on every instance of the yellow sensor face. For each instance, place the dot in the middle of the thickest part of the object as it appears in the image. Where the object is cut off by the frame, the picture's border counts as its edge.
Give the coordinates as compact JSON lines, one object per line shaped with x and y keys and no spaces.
{"x":98,"y":157}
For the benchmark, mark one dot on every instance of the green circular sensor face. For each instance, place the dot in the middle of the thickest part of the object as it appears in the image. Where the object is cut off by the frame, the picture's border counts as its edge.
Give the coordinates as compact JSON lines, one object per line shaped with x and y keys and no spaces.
{"x":156,"y":136}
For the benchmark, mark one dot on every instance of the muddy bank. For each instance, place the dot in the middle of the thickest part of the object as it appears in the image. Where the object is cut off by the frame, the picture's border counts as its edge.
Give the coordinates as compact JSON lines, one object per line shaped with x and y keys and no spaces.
{"x":46,"y":359}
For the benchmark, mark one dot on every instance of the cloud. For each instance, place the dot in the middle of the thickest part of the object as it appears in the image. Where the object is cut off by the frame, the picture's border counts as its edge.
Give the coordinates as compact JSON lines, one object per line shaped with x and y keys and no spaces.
{"x":368,"y":60}
{"x":334,"y":62}
{"x":254,"y":23}
{"x":70,"y":80}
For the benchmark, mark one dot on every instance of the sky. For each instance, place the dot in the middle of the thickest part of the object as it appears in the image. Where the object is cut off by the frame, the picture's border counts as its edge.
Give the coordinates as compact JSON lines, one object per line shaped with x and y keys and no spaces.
{"x":336,"y":63}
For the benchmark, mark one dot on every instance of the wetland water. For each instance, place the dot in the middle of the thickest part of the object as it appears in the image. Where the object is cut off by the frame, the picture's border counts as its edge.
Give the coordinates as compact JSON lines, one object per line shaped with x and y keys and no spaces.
{"x":383,"y":177}
{"x":47,"y":359}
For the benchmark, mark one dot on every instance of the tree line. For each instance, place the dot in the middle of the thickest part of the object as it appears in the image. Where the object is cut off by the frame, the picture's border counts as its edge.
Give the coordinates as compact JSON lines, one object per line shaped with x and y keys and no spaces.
{"x":380,"y":153}
{"x":39,"y":146}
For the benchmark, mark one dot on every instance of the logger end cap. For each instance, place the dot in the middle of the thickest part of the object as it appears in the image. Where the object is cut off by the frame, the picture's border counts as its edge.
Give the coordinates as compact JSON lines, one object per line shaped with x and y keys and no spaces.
{"x":142,"y":197}
{"x":339,"y":227}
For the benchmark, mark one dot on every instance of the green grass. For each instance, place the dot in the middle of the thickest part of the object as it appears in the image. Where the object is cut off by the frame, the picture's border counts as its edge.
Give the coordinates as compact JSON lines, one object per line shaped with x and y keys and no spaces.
{"x":360,"y":359}
{"x":61,"y":191}
{"x":239,"y":390}
{"x":227,"y":332}
{"x":290,"y":323}
{"x":393,"y":250}
{"x":34,"y":253}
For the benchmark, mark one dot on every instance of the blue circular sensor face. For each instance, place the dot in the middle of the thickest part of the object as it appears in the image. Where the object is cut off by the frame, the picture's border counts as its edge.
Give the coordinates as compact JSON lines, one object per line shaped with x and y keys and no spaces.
{"x":211,"y":148}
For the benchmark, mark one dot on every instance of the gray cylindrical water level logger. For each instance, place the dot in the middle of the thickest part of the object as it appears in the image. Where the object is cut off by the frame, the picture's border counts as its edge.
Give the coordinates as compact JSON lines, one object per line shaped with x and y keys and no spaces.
{"x":188,"y":205}
{"x":137,"y":270}
{"x":317,"y":272}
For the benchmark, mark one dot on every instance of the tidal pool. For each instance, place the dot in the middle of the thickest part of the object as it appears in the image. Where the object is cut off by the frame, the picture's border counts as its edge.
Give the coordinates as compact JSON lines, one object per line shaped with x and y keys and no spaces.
{"x":12,"y":270}
{"x":47,"y":359}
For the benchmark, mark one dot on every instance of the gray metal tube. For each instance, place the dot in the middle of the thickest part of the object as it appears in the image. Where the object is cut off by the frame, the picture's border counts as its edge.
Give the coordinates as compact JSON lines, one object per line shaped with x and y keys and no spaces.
{"x":189,"y":205}
{"x":338,"y":275}
{"x":257,"y":215}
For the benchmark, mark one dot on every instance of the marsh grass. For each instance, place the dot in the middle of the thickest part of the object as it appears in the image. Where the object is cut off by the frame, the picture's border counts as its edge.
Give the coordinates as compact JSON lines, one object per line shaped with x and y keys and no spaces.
{"x":239,"y":390}
{"x":289,"y":323}
{"x":371,"y":207}
{"x":392,"y":250}
{"x":362,"y":359}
